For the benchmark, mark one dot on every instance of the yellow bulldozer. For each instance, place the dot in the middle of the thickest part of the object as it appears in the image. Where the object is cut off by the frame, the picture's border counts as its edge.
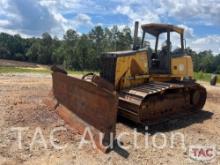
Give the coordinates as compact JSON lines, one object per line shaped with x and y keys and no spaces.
{"x":142,"y":85}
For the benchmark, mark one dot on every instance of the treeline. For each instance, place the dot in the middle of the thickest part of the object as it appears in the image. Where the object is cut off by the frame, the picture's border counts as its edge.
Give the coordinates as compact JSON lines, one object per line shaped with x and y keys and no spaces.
{"x":82,"y":52}
{"x":205,"y":61}
{"x":74,"y":51}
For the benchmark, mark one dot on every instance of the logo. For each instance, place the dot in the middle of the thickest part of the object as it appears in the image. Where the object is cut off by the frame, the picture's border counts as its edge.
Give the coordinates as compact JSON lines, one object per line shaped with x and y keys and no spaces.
{"x":181,"y":67}
{"x":202,"y":153}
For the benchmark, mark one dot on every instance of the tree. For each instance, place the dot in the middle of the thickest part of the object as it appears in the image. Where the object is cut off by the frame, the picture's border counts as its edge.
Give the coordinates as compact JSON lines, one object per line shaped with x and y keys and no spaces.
{"x":206,"y":61}
{"x":124,"y":39}
{"x":47,"y":39}
{"x":58,"y":55}
{"x":4,"y":52}
{"x":13,"y":44}
{"x":81,"y":52}
{"x":33,"y":52}
{"x":108,"y":41}
{"x":45,"y":49}
{"x":97,"y":36}
{"x":114,"y":39}
{"x":217,"y":63}
{"x":86,"y":54}
{"x":71,"y":37}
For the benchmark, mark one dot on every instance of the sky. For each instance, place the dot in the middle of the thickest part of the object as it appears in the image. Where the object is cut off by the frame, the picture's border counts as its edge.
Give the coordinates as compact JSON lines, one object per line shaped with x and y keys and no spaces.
{"x":200,"y":18}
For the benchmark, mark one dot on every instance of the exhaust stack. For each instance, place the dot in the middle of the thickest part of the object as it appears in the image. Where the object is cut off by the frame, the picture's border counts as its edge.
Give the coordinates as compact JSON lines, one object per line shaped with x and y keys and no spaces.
{"x":135,"y":44}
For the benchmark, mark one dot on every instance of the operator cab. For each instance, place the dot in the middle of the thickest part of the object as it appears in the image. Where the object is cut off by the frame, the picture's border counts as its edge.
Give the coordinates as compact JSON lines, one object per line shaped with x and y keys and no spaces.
{"x":160,"y":59}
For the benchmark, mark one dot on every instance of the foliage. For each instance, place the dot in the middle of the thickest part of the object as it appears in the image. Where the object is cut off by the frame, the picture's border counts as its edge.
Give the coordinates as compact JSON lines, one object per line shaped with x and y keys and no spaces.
{"x":205,"y":76}
{"x":82,"y":52}
{"x":205,"y":61}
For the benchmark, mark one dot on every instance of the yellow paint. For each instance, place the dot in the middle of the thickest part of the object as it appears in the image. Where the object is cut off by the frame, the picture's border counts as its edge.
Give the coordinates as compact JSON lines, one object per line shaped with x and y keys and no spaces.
{"x":182,"y":66}
{"x":132,"y":70}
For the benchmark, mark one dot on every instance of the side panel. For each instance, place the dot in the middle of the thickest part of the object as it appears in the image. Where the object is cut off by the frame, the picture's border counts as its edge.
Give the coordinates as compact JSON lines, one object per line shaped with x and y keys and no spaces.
{"x":182,"y":66}
{"x":131,"y":70}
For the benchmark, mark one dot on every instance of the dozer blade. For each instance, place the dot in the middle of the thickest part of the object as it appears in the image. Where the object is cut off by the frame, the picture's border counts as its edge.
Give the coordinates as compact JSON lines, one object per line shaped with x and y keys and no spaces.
{"x":87,"y":104}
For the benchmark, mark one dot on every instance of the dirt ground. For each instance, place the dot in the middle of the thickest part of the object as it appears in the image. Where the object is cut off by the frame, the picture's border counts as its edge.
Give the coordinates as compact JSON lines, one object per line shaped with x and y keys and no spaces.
{"x":21,"y":106}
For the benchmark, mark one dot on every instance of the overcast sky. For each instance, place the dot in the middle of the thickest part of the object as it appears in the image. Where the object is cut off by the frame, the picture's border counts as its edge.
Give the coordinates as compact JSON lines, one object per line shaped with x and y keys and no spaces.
{"x":200,"y":18}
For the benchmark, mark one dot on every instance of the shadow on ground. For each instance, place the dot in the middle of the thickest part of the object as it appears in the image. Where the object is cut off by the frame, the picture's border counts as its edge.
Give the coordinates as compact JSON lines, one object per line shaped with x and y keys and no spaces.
{"x":169,"y":125}
{"x":163,"y":126}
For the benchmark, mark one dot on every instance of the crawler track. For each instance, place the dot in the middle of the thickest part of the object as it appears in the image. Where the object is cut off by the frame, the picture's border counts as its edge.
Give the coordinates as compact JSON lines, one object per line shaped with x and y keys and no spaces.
{"x":154,"y":101}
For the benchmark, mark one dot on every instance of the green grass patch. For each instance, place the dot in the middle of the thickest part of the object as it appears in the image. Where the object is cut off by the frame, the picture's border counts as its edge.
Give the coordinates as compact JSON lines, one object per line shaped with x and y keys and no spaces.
{"x":204,"y":76}
{"x":197,"y":75}
{"x":39,"y":70}
{"x":23,"y":70}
